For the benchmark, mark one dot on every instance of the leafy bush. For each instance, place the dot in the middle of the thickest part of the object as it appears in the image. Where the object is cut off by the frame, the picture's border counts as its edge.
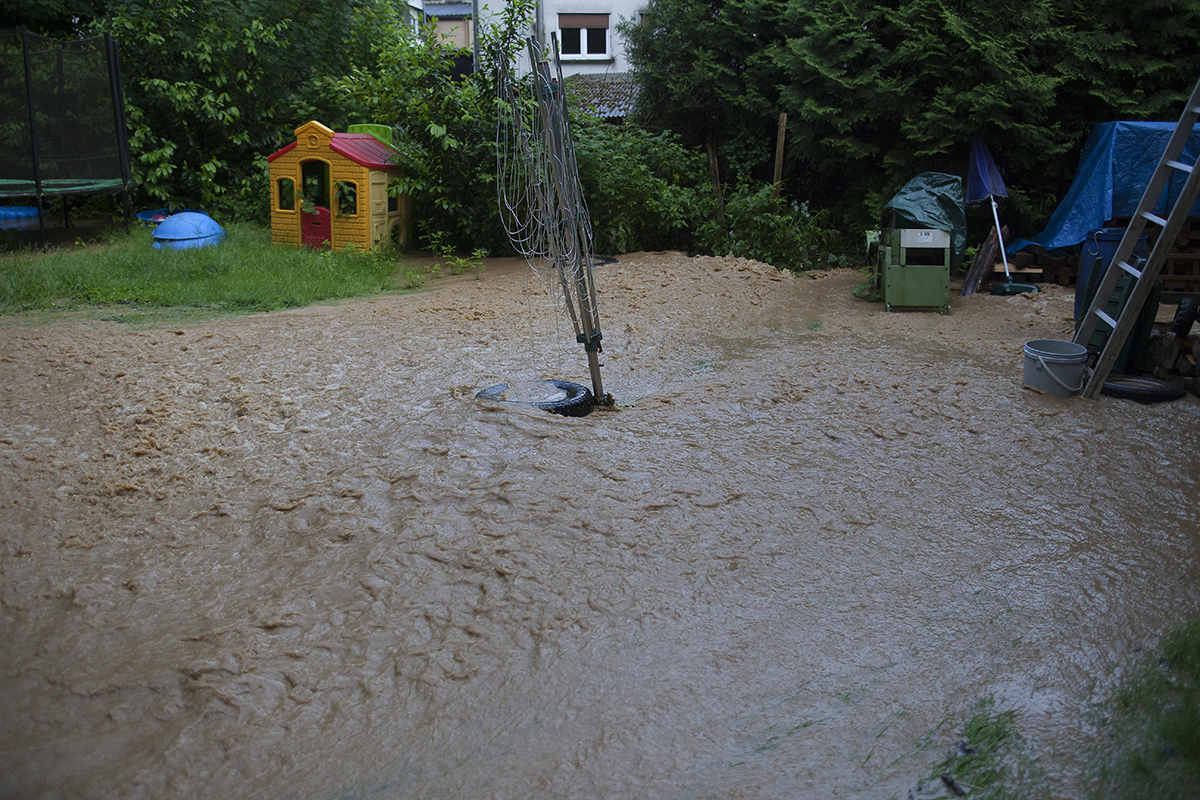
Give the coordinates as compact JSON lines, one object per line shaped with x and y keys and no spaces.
{"x":212,"y":87}
{"x":644,"y":190}
{"x":444,"y":126}
{"x":781,"y":233}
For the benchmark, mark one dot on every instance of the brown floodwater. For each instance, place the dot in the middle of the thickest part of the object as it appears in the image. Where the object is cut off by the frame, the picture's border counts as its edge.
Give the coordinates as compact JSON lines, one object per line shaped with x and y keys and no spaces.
{"x":292,"y":556}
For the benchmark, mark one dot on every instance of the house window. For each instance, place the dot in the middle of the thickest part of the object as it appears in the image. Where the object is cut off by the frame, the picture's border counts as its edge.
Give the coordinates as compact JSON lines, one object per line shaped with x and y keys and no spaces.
{"x":287,"y":194}
{"x":583,"y":36}
{"x":347,"y":197}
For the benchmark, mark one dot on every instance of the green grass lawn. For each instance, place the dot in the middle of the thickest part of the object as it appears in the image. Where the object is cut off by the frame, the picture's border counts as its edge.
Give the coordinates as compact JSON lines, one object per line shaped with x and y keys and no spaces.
{"x":245,"y":273}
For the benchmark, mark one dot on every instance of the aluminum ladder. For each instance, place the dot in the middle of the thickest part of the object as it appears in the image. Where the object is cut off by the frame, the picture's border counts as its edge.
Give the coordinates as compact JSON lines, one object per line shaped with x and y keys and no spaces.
{"x":1146,"y":272}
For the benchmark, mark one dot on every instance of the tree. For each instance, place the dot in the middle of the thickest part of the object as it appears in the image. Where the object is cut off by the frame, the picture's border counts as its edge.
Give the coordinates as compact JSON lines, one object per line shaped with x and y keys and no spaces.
{"x":444,"y":127}
{"x":704,"y":71}
{"x":877,"y":92}
{"x":60,"y":19}
{"x":887,"y":91}
{"x":213,"y":87}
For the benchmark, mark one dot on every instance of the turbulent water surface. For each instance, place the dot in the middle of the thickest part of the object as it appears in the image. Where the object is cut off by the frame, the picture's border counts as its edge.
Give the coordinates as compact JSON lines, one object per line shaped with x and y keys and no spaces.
{"x":292,"y":556}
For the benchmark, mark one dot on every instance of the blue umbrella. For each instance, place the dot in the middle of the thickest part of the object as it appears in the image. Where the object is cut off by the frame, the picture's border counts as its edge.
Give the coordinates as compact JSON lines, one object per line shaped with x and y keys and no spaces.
{"x":984,"y":183}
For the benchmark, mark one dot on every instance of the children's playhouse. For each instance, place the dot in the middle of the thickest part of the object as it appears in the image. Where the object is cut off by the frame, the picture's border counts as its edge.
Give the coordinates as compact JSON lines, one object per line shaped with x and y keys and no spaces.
{"x":331,"y":190}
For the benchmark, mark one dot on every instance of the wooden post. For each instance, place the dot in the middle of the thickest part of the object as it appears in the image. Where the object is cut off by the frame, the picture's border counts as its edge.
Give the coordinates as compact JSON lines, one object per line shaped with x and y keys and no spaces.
{"x":984,"y":263}
{"x":779,"y":151}
{"x":715,"y":174}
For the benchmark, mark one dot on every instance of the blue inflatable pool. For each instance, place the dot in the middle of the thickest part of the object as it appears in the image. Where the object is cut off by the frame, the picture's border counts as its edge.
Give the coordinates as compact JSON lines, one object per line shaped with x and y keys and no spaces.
{"x":18,"y":217}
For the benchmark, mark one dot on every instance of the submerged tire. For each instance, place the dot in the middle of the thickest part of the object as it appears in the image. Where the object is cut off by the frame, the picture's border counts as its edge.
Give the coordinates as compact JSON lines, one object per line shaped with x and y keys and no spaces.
{"x":557,"y":397}
{"x":1143,"y":390}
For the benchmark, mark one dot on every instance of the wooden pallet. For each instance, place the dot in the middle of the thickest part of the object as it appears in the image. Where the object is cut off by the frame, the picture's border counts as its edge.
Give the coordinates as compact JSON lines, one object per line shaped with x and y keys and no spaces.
{"x":1019,"y":275}
{"x":1033,"y":265}
{"x":1181,"y":274}
{"x":1063,"y":272}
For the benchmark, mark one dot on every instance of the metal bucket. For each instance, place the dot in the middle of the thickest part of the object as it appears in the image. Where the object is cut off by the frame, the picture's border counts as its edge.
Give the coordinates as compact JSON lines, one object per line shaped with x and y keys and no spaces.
{"x":1055,"y":367}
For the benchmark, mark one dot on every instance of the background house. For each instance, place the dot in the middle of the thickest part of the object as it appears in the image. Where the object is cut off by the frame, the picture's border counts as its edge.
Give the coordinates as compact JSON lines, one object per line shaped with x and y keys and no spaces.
{"x":586,"y":29}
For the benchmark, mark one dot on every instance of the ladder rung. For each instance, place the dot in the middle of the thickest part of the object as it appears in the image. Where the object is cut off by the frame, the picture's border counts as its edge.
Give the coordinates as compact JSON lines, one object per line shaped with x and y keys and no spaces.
{"x":1170,"y":223}
{"x":1136,"y":273}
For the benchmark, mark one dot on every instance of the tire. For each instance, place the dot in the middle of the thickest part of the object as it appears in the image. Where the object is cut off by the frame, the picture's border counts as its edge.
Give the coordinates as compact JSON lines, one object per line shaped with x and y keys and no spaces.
{"x":1185,"y":315}
{"x":1142,"y":390}
{"x":568,"y":399}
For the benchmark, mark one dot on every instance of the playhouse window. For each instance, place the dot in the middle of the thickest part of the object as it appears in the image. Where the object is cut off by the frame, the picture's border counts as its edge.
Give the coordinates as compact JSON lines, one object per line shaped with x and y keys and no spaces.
{"x":287,"y":194}
{"x":347,"y":197}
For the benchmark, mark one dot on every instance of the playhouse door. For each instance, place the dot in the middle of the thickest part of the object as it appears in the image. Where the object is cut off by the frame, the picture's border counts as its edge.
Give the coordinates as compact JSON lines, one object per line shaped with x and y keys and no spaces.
{"x":316,"y":230}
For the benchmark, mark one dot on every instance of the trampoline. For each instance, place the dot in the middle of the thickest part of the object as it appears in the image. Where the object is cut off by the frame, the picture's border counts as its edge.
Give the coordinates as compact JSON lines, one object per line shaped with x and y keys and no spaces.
{"x":63,"y":112}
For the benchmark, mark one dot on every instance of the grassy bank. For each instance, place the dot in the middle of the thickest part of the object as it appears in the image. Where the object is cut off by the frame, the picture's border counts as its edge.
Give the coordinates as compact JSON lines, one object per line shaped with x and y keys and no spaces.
{"x":1153,"y":726}
{"x":1148,"y":739}
{"x":245,"y":273}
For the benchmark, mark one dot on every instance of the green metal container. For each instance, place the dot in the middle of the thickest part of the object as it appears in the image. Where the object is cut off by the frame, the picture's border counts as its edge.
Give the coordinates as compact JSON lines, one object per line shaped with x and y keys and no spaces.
{"x":914,"y":268}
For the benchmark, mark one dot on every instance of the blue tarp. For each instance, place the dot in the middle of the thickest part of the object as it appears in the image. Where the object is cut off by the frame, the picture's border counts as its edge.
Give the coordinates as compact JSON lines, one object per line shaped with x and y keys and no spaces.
{"x":1117,"y":163}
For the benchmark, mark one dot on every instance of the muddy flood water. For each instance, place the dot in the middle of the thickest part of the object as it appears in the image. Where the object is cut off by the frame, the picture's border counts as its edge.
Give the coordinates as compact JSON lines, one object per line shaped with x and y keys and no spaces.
{"x":291,"y":556}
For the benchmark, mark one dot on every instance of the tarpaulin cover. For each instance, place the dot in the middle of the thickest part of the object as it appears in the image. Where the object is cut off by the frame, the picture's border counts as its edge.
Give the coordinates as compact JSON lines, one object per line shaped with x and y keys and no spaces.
{"x":930,"y":200}
{"x":1117,"y":163}
{"x":983,"y":176}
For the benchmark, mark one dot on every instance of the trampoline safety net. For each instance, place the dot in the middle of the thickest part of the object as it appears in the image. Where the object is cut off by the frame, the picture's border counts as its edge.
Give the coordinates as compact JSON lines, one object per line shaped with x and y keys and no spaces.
{"x":62,"y":115}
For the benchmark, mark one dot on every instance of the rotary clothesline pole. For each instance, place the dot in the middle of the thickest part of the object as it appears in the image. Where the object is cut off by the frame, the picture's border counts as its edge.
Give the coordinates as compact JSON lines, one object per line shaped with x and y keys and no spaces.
{"x":1000,"y":239}
{"x":570,"y":250}
{"x":541,"y":200}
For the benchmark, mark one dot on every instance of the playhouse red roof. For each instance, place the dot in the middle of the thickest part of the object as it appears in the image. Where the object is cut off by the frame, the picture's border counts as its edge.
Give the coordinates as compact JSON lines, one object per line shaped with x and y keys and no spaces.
{"x":361,"y":148}
{"x":364,"y":149}
{"x":281,"y":151}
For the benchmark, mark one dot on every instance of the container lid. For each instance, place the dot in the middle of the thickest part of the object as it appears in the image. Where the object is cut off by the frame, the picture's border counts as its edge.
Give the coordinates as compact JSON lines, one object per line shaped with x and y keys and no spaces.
{"x":188,"y":225}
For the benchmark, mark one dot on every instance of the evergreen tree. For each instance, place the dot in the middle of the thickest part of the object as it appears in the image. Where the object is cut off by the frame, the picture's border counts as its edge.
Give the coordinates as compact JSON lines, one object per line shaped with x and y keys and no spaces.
{"x":705,"y":71}
{"x":888,"y":92}
{"x":877,"y":92}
